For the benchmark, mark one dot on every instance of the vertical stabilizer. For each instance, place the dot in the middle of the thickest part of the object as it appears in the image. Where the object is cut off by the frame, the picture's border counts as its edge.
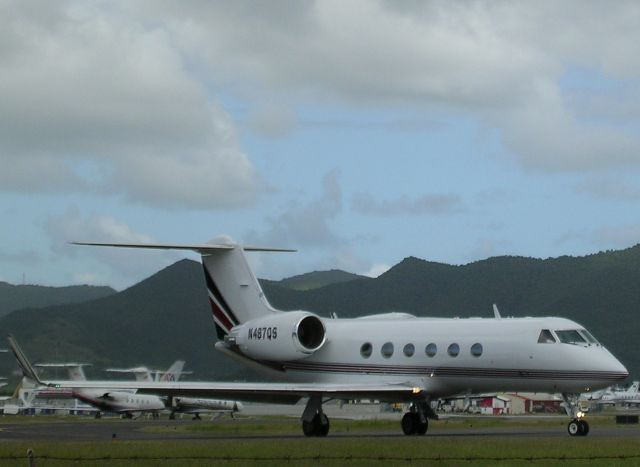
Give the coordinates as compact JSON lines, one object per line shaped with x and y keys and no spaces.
{"x":235,"y":295}
{"x":76,"y":373}
{"x":173,"y":373}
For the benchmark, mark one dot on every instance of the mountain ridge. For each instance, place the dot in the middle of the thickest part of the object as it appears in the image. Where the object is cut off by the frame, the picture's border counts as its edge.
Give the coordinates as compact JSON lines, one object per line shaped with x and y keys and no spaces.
{"x":167,"y":316}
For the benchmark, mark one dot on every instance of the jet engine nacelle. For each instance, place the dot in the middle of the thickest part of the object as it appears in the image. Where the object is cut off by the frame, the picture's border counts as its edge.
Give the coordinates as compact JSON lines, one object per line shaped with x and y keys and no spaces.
{"x":280,"y":337}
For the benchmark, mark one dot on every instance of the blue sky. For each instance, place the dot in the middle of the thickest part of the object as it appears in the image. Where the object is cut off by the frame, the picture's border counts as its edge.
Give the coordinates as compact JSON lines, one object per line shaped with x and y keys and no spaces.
{"x":359,"y":133}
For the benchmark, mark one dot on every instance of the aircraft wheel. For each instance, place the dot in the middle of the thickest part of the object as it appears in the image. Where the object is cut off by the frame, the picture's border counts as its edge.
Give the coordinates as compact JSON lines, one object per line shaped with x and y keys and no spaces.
{"x":308,"y":428}
{"x":323,"y":425}
{"x":421,"y":428}
{"x":574,"y":428}
{"x":318,"y":426}
{"x":584,"y":427}
{"x":409,"y":425}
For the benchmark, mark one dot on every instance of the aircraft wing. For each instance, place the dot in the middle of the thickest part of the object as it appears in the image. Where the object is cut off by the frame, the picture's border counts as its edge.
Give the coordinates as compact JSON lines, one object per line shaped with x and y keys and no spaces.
{"x":285,"y":393}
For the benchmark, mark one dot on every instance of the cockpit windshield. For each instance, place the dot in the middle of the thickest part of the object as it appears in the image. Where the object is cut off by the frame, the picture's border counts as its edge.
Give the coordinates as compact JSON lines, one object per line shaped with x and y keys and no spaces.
{"x":570,"y":336}
{"x":546,"y":337}
{"x":587,"y":335}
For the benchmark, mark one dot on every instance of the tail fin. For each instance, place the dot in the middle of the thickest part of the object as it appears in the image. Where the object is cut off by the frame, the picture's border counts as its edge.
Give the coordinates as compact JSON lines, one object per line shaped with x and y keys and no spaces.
{"x":235,"y":295}
{"x":173,"y":373}
{"x":25,"y":365}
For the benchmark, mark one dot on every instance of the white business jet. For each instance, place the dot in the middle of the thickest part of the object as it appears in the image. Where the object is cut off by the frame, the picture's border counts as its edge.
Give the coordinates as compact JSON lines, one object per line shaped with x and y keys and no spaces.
{"x":123,"y":401}
{"x":393,"y":357}
{"x":629,"y":396}
{"x":188,"y":405}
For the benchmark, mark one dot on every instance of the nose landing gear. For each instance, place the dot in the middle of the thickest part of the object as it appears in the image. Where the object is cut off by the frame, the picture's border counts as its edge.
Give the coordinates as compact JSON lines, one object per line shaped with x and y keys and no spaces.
{"x":578,"y":426}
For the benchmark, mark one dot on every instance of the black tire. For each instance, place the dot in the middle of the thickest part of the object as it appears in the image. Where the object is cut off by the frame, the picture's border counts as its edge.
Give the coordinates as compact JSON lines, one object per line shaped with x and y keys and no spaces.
{"x":309,"y":428}
{"x":421,"y":428}
{"x":574,"y":428}
{"x":408,"y":424}
{"x":323,"y":425}
{"x":584,"y":427}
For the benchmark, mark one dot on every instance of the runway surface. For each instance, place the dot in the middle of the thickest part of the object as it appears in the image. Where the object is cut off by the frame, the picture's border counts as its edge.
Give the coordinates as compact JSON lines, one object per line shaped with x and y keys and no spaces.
{"x":139,"y":430}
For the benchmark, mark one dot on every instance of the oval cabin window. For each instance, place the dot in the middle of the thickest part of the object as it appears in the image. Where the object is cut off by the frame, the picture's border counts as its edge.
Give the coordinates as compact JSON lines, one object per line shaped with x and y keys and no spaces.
{"x":387,"y":350}
{"x":409,"y":350}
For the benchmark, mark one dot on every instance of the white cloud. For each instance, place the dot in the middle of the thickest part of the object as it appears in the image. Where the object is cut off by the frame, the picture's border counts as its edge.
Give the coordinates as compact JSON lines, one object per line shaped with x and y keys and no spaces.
{"x":504,"y":62}
{"x":131,"y":87}
{"x":376,"y":270}
{"x":307,"y":224}
{"x":119,"y":267}
{"x":85,"y":83}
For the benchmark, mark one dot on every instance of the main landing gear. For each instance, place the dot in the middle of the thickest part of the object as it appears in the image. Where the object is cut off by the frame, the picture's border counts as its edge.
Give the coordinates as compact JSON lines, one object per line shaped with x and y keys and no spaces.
{"x":578,"y":426}
{"x":314,"y":420}
{"x":416,"y":421}
{"x":318,"y":426}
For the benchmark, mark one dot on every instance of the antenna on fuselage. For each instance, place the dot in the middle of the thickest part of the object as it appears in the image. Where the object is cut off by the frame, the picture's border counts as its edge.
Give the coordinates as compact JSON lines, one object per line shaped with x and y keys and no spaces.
{"x":496,"y":312}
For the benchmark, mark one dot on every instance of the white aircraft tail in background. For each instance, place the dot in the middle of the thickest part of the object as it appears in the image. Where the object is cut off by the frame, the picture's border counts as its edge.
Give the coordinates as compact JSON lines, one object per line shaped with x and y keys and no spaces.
{"x":142,"y":373}
{"x":74,"y":370}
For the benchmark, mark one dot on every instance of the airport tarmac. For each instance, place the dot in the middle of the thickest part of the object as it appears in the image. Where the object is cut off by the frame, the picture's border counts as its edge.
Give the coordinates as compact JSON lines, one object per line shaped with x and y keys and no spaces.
{"x":149,"y":430}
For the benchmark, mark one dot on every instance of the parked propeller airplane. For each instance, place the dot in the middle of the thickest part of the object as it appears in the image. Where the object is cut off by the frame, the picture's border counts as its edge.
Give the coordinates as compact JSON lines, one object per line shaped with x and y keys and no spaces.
{"x":394,"y":357}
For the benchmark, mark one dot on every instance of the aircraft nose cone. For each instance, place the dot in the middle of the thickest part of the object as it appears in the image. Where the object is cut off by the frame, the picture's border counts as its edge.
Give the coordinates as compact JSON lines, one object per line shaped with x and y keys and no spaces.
{"x":618,"y":368}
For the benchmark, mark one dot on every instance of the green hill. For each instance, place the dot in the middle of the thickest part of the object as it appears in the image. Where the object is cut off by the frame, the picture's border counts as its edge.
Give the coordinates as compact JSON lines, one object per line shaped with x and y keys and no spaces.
{"x":15,"y":297}
{"x":167,"y":316}
{"x":317,"y":279}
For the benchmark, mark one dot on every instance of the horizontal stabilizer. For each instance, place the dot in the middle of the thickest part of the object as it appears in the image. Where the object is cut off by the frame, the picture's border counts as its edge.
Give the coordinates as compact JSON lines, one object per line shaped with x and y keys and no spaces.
{"x":61,"y":365}
{"x":203,"y":249}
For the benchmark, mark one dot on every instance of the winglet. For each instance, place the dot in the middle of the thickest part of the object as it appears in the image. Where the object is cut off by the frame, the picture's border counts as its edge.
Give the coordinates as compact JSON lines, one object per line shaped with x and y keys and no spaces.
{"x":25,"y":365}
{"x":496,"y":312}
